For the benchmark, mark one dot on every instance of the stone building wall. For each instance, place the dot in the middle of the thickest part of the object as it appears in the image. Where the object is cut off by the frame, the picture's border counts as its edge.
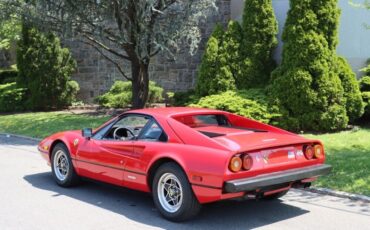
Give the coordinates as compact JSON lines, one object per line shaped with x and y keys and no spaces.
{"x":96,"y":75}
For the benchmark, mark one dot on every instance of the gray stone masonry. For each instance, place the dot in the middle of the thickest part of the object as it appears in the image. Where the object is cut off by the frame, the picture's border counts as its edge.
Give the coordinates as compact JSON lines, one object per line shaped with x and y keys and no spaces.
{"x":96,"y":75}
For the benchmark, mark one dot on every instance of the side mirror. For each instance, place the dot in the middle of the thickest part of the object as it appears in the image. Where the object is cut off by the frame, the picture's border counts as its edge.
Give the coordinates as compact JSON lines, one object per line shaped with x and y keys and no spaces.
{"x":87,"y":133}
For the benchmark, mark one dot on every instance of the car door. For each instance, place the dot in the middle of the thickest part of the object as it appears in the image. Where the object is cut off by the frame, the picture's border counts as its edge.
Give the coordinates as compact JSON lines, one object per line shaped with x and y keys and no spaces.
{"x":152,"y":139}
{"x":103,"y":157}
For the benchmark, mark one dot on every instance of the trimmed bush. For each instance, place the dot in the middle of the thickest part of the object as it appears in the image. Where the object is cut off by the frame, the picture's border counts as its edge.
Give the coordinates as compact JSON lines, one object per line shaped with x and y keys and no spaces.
{"x":185,"y":98}
{"x":11,"y":98}
{"x":45,"y":69}
{"x":352,"y":93}
{"x":8,"y":75}
{"x":307,"y":86}
{"x":365,"y":84}
{"x":365,"y":89}
{"x":260,"y":30}
{"x":120,"y":94}
{"x":214,"y":74}
{"x":248,"y":103}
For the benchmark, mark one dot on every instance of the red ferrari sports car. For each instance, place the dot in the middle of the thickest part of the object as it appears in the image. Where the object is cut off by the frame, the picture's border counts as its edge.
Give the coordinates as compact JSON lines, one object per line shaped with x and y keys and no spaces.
{"x":186,"y":157}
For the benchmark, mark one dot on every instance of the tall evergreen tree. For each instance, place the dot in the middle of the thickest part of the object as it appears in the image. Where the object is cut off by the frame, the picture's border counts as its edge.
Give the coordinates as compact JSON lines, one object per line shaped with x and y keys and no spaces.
{"x":306,"y":86}
{"x":215,"y":74}
{"x":314,"y":88}
{"x":260,"y":30}
{"x":231,"y":54}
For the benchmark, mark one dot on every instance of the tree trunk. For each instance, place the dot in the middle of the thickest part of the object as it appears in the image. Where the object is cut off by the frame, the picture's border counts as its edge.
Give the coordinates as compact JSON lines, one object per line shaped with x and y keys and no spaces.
{"x":140,"y":84}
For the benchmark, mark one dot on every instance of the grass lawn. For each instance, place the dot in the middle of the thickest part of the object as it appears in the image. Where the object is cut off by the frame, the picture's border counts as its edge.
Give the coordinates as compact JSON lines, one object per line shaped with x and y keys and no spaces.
{"x":43,"y":124}
{"x":348,"y":152}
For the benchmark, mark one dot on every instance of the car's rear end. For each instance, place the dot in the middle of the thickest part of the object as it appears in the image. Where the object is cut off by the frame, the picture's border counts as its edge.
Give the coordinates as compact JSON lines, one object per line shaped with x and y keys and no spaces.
{"x":263,"y":160}
{"x":274,"y":169}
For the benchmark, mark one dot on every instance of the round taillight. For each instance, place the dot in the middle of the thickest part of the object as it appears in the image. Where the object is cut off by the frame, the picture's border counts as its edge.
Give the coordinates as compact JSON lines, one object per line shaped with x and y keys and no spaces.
{"x":247,"y":162}
{"x":319,"y":151}
{"x":308,"y":152}
{"x":235,"y":164}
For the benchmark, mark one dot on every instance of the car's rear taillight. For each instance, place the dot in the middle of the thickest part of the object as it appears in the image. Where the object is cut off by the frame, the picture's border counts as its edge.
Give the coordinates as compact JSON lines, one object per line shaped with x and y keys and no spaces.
{"x":308,"y":152}
{"x":247,"y":162}
{"x":235,"y":164}
{"x":318,"y":151}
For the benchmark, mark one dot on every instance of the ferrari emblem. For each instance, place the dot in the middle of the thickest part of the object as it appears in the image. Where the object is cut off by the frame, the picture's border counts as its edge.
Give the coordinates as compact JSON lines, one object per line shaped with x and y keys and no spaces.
{"x":75,"y":142}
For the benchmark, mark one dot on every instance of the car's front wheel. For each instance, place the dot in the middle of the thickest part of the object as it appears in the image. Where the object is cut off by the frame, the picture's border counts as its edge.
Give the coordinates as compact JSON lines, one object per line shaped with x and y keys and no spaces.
{"x":173,"y":195}
{"x":62,"y":168}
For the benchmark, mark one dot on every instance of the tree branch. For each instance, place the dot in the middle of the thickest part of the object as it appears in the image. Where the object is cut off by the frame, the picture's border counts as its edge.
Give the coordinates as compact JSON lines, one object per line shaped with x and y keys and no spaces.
{"x":118,"y":66}
{"x":101,"y":45}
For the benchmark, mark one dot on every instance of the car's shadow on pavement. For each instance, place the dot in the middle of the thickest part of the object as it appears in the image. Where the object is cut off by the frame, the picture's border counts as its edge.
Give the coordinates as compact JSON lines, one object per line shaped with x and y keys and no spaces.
{"x":139,"y":207}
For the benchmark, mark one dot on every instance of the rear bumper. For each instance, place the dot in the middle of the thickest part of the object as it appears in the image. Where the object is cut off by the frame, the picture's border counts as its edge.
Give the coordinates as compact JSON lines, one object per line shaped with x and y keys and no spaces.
{"x":259,"y":182}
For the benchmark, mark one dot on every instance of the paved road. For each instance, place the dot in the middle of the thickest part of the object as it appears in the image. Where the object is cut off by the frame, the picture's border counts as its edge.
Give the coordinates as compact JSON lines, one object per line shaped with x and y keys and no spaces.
{"x":29,"y":199}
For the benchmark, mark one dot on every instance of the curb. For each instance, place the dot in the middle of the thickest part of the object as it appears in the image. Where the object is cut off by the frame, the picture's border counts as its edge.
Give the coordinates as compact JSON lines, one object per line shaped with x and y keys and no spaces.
{"x":330,"y":192}
{"x":8,"y":135}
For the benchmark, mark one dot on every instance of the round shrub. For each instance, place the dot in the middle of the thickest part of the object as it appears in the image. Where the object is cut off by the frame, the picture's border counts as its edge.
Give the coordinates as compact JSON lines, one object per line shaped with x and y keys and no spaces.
{"x":11,"y":98}
{"x":120,"y":94}
{"x":8,"y":75}
{"x":45,"y":69}
{"x":248,"y":103}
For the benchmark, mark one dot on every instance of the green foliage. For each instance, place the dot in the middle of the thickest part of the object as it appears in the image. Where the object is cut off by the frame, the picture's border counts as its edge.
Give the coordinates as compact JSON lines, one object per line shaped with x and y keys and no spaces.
{"x":365,"y":83}
{"x":241,"y":56}
{"x":185,"y":98}
{"x":10,"y":30}
{"x":120,"y":95}
{"x":250,"y":103}
{"x":311,"y":93}
{"x":365,"y":89}
{"x":214,"y":74}
{"x":260,"y":30}
{"x":354,"y":103}
{"x":11,"y":97}
{"x":8,"y":75}
{"x":45,"y":69}
{"x":231,"y":50}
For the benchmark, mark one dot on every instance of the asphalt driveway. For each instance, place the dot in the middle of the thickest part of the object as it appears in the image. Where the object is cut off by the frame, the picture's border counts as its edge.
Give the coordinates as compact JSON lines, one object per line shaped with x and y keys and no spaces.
{"x":29,"y":199}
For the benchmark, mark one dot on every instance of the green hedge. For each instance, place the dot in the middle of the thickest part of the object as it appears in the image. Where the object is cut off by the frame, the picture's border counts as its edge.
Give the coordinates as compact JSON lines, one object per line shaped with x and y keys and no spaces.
{"x":11,"y":98}
{"x":119,"y":96}
{"x":365,"y":89}
{"x":8,"y":76}
{"x":250,"y":103}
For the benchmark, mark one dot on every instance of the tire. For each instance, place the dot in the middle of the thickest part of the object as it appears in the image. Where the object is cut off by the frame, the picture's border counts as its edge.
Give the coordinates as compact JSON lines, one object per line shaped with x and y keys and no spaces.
{"x":275,"y":195}
{"x":64,"y":174}
{"x":172,"y":194}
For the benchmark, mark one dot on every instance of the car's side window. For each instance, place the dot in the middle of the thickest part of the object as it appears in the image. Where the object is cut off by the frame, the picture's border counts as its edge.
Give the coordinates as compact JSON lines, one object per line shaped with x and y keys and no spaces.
{"x":153,"y":133}
{"x":127,"y":128}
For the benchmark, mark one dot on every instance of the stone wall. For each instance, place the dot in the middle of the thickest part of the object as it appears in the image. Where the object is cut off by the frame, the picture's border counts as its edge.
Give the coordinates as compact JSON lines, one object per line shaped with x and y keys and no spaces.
{"x":96,"y":75}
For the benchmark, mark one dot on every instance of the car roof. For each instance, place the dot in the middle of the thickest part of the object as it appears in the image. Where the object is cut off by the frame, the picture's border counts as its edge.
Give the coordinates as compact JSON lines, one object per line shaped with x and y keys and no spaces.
{"x":173,"y":111}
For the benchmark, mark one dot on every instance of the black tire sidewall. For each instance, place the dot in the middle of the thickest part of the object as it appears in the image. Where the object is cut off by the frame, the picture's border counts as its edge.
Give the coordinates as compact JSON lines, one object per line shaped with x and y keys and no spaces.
{"x":71,"y":173}
{"x":187,"y":209}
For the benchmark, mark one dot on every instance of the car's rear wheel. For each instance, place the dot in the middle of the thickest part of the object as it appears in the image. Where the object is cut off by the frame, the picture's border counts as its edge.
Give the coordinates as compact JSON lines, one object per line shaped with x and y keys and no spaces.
{"x":275,"y":195}
{"x":62,"y":168}
{"x":172,"y":194}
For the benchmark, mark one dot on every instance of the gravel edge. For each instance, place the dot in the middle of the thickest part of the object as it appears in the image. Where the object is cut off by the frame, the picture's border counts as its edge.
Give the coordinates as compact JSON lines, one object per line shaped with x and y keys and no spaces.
{"x":323,"y":191}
